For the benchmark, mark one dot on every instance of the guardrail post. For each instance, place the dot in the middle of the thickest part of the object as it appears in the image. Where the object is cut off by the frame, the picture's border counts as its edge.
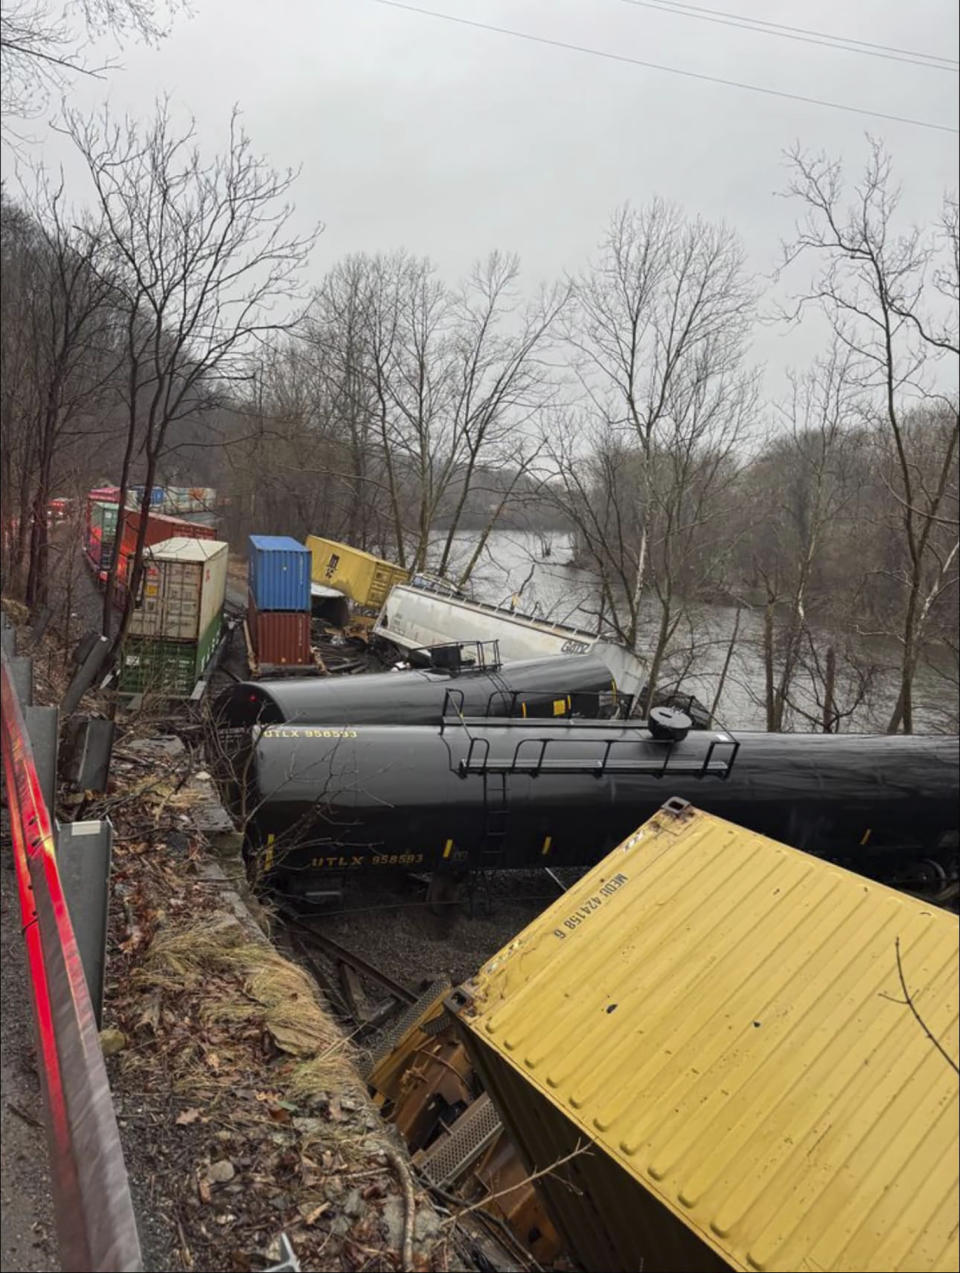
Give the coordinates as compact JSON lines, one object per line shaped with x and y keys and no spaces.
{"x":85,"y":675}
{"x":8,"y":637}
{"x":91,"y":1194}
{"x":87,"y":751}
{"x":21,"y":674}
{"x":43,"y":725}
{"x":83,"y":856}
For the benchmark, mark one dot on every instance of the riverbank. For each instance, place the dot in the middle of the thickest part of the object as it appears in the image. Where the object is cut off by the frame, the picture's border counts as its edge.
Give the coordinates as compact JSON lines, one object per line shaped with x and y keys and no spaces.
{"x":513,"y":564}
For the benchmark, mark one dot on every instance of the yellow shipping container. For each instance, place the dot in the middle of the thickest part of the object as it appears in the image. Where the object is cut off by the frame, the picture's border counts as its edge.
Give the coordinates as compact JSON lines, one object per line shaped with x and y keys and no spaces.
{"x":759,"y":1048}
{"x":363,"y":578}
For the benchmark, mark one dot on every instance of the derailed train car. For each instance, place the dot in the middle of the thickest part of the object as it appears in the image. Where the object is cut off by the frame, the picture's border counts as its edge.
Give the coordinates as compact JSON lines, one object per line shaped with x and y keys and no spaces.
{"x":521,"y":794}
{"x":566,"y":685}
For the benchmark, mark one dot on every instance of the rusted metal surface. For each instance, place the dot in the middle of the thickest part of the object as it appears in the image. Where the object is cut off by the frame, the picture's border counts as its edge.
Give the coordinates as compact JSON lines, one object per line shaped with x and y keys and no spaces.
{"x":280,"y":637}
{"x":425,"y":1084}
{"x":342,"y":955}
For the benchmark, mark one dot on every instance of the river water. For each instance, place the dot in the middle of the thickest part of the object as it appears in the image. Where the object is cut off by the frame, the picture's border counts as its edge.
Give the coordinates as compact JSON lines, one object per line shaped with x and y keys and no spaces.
{"x":534,"y":569}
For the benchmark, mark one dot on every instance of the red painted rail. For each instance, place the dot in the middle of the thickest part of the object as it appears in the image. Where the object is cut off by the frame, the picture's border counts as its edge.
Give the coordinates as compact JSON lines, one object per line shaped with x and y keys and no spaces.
{"x":91,"y":1194}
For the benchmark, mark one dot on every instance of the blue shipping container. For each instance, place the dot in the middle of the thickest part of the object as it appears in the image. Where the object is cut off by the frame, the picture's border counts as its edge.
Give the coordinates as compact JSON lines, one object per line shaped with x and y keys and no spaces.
{"x":279,"y":573}
{"x":157,"y":495}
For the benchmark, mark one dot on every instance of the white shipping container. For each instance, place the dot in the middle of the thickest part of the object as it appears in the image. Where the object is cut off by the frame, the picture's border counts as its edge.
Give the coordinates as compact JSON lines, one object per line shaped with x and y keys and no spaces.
{"x":183,"y":589}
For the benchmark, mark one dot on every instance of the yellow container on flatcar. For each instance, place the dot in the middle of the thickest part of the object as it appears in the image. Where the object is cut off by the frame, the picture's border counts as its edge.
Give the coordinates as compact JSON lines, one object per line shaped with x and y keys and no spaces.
{"x":756,"y":1049}
{"x":365,"y":579}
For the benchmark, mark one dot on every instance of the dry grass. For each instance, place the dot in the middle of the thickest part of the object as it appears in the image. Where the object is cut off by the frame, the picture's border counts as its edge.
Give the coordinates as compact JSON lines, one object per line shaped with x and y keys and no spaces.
{"x":17,"y":613}
{"x":251,"y":982}
{"x":230,"y":1055}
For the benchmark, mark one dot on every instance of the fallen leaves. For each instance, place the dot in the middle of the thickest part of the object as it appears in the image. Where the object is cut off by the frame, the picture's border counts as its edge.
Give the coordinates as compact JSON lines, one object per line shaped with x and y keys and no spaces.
{"x":135,"y":939}
{"x":311,"y":1214}
{"x":225,"y":1040}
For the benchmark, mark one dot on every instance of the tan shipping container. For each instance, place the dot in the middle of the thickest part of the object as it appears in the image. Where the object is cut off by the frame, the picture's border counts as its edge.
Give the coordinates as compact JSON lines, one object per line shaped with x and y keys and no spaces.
{"x":183,"y":589}
{"x":365,"y":579}
{"x":722,"y":1023}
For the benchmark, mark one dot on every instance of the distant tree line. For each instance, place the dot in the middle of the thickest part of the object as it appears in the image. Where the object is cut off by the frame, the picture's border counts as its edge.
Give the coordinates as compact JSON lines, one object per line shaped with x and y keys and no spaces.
{"x":164,"y":336}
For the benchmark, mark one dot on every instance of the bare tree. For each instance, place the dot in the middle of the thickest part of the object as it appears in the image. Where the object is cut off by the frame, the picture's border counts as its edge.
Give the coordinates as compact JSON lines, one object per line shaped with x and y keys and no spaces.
{"x":72,"y":321}
{"x":796,"y":492}
{"x":658,"y":327}
{"x":59,"y":356}
{"x":201,"y":255}
{"x":42,"y":46}
{"x":891,"y":299}
{"x":416,"y":400}
{"x":502,"y":385}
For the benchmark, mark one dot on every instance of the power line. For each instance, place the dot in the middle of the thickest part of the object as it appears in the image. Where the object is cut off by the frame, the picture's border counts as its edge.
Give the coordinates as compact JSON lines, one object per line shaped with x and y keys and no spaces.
{"x":930,"y":60}
{"x":670,"y":70}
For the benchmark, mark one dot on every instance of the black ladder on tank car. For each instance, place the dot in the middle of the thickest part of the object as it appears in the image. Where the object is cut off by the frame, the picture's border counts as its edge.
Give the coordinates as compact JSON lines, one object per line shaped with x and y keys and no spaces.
{"x":658,"y":757}
{"x":496,"y":805}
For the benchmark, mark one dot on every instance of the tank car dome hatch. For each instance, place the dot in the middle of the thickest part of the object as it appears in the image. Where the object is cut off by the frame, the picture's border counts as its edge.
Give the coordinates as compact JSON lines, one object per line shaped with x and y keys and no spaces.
{"x":669,"y":724}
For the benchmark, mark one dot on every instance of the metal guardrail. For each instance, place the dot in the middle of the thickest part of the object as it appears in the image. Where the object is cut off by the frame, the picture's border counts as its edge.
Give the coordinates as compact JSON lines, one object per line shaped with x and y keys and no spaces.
{"x":91,"y":1194}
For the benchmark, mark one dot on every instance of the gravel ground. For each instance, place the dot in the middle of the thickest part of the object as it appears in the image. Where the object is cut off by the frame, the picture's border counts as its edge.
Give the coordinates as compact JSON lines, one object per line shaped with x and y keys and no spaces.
{"x":390,"y":925}
{"x":28,"y":1243}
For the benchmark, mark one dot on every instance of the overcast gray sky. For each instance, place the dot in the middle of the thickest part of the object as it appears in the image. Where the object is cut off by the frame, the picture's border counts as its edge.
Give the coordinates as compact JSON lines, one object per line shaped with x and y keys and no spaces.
{"x":450,"y":140}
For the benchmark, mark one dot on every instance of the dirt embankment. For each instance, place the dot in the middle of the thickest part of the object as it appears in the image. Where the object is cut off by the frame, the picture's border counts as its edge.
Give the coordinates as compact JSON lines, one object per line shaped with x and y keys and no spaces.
{"x":246,"y":1129}
{"x":241,"y":1110}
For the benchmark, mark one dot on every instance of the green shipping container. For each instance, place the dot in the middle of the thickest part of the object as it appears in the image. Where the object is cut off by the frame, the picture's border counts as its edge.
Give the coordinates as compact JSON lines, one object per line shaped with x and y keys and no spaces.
{"x":104,"y":518}
{"x":159,"y":666}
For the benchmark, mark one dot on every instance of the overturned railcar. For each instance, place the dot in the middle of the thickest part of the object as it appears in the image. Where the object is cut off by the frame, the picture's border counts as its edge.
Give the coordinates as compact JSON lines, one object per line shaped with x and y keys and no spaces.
{"x":570,"y":685}
{"x":518,"y":794}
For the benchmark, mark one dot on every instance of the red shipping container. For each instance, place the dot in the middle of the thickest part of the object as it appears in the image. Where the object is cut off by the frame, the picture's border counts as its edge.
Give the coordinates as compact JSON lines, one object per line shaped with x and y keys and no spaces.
{"x":93,"y":547}
{"x":159,"y":528}
{"x":280,"y":637}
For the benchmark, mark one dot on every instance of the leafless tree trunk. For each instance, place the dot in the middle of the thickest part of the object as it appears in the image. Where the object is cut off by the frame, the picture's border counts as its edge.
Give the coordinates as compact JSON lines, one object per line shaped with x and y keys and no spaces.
{"x":201,"y":252}
{"x":71,"y":322}
{"x":657,"y":327}
{"x":797,"y":493}
{"x":891,"y":299}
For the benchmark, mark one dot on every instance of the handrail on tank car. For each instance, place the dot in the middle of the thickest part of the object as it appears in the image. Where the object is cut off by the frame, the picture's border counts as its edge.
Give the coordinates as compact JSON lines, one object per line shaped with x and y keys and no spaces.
{"x":91,"y":1194}
{"x":456,"y":665}
{"x":451,"y":711}
{"x":477,"y":759}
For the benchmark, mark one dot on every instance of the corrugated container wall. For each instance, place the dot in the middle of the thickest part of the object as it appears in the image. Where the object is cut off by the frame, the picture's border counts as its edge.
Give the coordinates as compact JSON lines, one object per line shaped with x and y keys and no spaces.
{"x":104,"y":526}
{"x":151,"y":665}
{"x":159,"y":528}
{"x":722,"y":1021}
{"x":101,"y":495}
{"x":365,"y":579}
{"x":280,"y":638}
{"x":157,"y":495}
{"x":279,"y":573}
{"x":183,"y":591}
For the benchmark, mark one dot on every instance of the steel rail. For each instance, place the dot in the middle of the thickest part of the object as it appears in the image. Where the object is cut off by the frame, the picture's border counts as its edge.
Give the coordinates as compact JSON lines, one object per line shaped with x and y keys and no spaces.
{"x":96,"y":1227}
{"x":361,"y":965}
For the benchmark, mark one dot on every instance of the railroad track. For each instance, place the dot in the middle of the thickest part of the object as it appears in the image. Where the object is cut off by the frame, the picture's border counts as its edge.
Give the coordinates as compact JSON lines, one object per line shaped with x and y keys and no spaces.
{"x":344,"y":983}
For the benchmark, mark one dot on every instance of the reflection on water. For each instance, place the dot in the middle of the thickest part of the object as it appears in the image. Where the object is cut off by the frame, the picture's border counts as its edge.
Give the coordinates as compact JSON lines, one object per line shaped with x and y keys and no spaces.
{"x":533,"y":570}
